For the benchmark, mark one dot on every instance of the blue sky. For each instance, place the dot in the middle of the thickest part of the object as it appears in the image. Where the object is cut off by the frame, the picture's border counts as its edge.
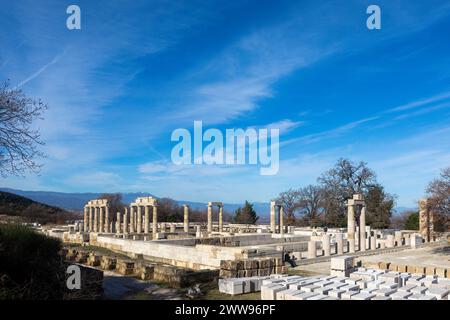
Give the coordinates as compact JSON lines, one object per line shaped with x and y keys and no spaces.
{"x":137,"y":70}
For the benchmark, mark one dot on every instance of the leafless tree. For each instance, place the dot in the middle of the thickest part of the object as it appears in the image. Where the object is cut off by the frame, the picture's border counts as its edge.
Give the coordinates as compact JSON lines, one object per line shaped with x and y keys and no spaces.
{"x":347,"y":178}
{"x":311,"y":204}
{"x":439,"y":195}
{"x":290,"y":201}
{"x":340,"y":183}
{"x":19,"y":141}
{"x":439,"y":191}
{"x":116,"y":204}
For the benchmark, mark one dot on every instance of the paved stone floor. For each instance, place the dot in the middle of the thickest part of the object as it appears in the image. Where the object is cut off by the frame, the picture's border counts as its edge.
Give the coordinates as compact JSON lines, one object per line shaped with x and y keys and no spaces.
{"x":427,"y":256}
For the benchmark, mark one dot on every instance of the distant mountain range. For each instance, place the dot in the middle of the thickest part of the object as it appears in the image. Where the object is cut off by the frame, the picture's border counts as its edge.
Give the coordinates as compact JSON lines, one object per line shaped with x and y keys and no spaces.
{"x":76,"y":201}
{"x":24,"y":209}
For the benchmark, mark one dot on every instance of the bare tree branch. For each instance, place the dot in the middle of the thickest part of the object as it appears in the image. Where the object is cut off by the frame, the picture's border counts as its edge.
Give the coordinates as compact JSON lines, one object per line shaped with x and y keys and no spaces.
{"x":19,"y":141}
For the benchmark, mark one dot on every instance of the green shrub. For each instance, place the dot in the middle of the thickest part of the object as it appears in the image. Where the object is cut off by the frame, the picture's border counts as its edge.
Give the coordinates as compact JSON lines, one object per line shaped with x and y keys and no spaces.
{"x":30,"y":264}
{"x":412,"y":221}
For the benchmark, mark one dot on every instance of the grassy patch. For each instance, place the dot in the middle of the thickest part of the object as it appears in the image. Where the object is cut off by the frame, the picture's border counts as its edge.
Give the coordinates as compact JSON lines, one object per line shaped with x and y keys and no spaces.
{"x":300,"y":272}
{"x":30,"y":265}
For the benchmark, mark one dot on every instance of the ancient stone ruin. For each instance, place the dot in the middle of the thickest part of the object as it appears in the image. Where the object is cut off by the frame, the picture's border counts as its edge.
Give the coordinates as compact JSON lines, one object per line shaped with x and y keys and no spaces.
{"x":230,"y":250}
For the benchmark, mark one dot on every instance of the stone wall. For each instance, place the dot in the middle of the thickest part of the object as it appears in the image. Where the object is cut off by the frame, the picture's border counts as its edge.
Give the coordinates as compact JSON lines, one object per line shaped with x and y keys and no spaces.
{"x":239,"y":240}
{"x":180,"y":278}
{"x":251,"y":267}
{"x":193,"y":257}
{"x":92,"y":278}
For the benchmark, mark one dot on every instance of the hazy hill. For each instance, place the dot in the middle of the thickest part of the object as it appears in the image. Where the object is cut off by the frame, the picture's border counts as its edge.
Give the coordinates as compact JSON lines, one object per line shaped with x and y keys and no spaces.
{"x":32,"y":211}
{"x":76,"y":201}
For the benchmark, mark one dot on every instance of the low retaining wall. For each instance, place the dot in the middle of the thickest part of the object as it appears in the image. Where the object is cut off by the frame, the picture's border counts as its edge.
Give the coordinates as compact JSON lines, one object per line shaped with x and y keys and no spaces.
{"x":180,"y":278}
{"x":427,"y":270}
{"x":365,"y":253}
{"x":193,"y":257}
{"x":251,"y":267}
{"x":174,"y":276}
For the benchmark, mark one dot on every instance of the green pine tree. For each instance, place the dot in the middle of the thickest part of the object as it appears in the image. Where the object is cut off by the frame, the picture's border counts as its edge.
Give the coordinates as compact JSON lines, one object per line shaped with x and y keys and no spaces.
{"x":246,"y":214}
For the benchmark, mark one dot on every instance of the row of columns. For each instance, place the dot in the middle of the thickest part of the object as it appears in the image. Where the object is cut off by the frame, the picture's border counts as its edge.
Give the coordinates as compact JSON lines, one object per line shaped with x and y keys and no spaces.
{"x":134,"y":220}
{"x":391,"y":241}
{"x":96,"y":219}
{"x":135,"y":224}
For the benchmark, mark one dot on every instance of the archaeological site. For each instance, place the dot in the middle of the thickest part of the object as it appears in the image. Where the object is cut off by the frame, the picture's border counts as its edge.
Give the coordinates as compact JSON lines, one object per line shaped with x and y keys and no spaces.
{"x":358,"y":262}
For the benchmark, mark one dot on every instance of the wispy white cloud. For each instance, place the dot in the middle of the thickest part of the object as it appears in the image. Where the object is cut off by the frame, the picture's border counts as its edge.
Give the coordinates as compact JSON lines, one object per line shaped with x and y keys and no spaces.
{"x":285,"y":125}
{"x":422,"y":111}
{"x":420,"y":103}
{"x":332,"y":133}
{"x":39,"y":71}
{"x":234,"y":82}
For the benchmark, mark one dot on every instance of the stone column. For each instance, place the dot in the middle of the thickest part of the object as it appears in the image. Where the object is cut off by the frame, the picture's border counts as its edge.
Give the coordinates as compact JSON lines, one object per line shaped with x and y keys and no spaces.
{"x":139,"y":220}
{"x":425,"y":220}
{"x":101,"y":223}
{"x":272,"y":216}
{"x":209,"y":229}
{"x":340,"y":243}
{"x":125,"y":221}
{"x":96,"y":216}
{"x":373,"y":242}
{"x":186,"y":218}
{"x":155,"y":222}
{"x":351,"y":228}
{"x":390,"y":241}
{"x":172,"y":228}
{"x":107,"y":226}
{"x":91,"y":219}
{"x":281,"y":220}
{"x":312,"y":250}
{"x":118,"y":223}
{"x":398,"y":238}
{"x":326,"y":245}
{"x":86,"y":219}
{"x":362,"y":229}
{"x":220,"y":219}
{"x":408,"y":242}
{"x":131,"y":219}
{"x":368,"y":234}
{"x":146,"y":219}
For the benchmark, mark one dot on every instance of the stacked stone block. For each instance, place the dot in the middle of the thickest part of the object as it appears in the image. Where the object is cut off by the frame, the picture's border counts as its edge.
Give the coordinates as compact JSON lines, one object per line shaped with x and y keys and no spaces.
{"x":125,"y":267}
{"x":108,"y":263}
{"x":251,"y":267}
{"x":429,"y":270}
{"x":179,"y":277}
